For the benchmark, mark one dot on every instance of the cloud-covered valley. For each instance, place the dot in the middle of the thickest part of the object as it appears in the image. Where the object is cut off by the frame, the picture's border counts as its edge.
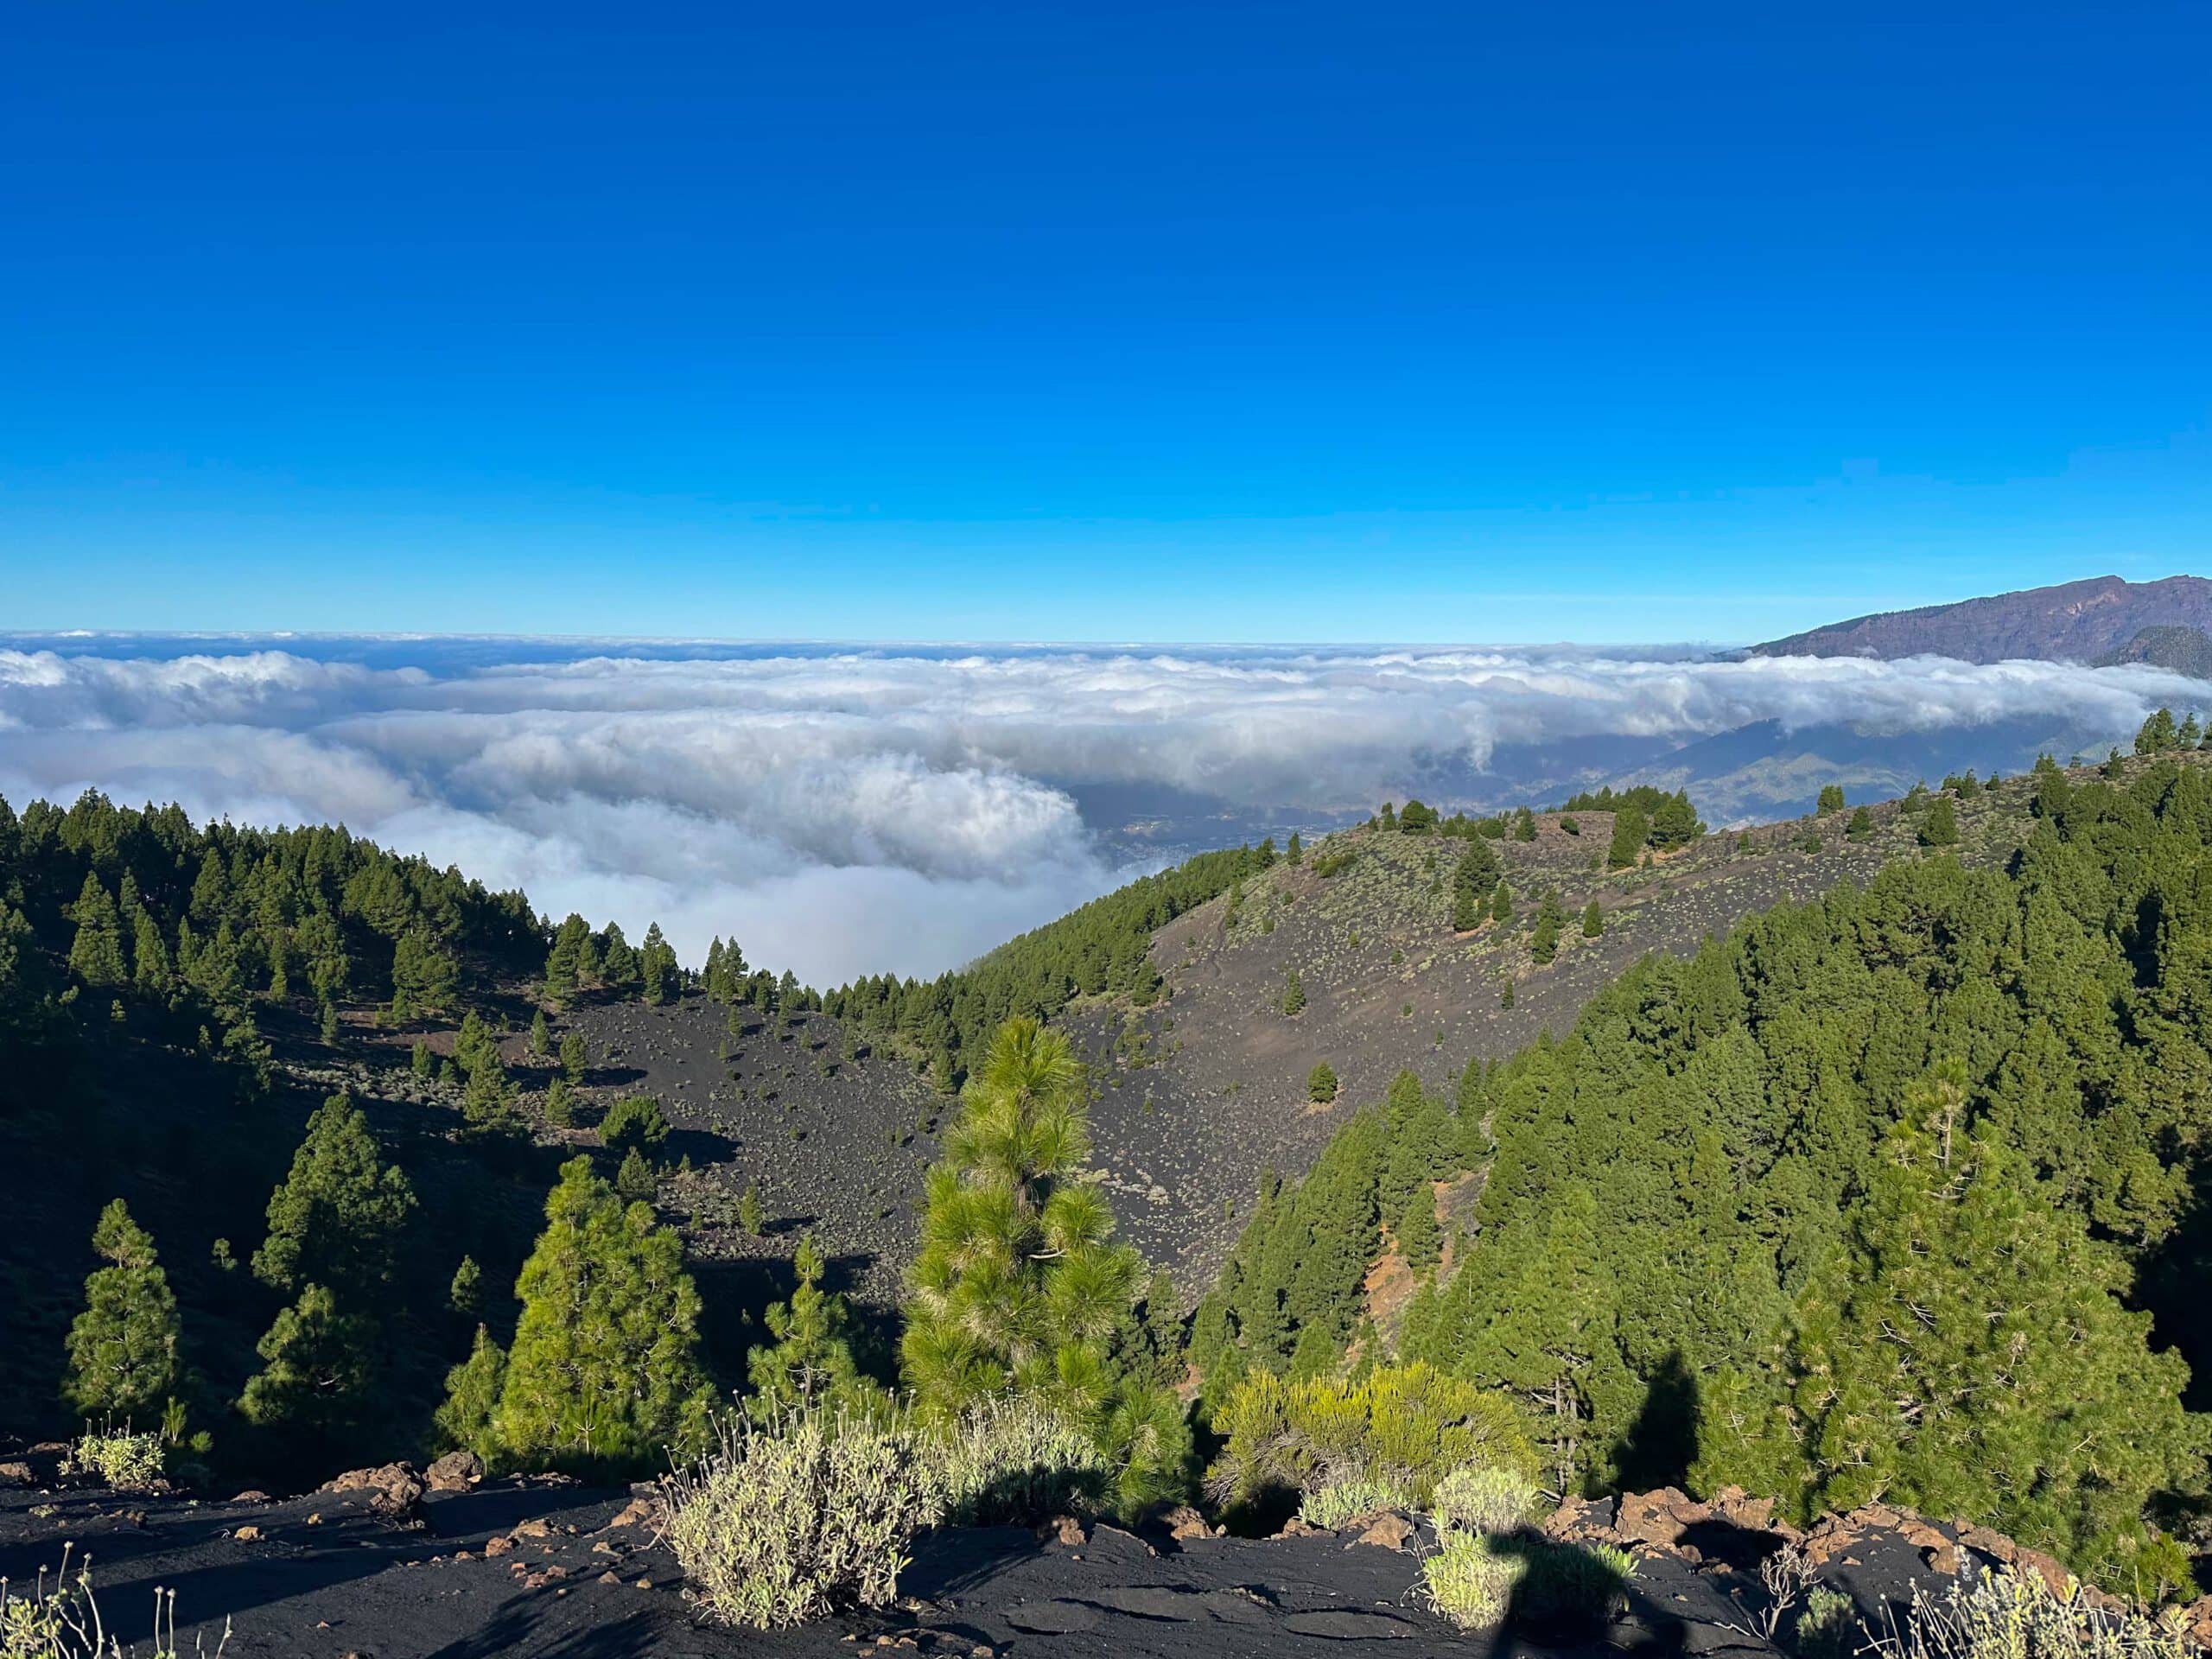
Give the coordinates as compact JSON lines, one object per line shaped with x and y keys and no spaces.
{"x":846,"y":811}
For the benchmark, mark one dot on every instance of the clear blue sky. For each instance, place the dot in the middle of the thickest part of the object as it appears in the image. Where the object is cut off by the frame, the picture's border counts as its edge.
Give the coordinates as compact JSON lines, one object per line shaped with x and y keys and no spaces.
{"x":1360,"y":321}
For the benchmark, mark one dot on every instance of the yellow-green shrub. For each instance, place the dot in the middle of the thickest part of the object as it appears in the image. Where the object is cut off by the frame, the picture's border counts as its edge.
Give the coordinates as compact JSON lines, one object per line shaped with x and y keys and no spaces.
{"x":1470,"y":1581}
{"x":1404,"y":1426}
{"x":1482,"y":1499}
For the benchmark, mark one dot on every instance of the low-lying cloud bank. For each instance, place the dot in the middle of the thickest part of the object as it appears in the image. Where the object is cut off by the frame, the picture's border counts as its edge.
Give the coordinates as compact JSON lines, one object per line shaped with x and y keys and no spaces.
{"x":846,"y":810}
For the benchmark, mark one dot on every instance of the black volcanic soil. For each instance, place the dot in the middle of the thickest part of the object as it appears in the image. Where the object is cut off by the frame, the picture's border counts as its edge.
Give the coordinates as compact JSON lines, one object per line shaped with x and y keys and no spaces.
{"x":326,"y":1577}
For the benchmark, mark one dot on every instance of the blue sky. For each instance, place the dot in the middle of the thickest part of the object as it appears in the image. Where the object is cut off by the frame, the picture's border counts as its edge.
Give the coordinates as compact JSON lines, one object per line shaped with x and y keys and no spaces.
{"x":1125,"y":323}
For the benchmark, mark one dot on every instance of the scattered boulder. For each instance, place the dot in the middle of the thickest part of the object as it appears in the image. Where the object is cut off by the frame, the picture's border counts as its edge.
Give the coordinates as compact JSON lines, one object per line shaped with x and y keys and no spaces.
{"x":638,"y":1512}
{"x":1389,"y":1530}
{"x":394,"y":1488}
{"x":247,"y":1534}
{"x":1184,"y":1522}
{"x":1064,"y":1530}
{"x":17,"y":1474}
{"x":456,"y":1471}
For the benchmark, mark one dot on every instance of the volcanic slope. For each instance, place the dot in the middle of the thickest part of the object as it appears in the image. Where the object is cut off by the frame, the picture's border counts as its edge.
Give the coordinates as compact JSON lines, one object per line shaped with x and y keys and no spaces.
{"x":1207,"y":1085}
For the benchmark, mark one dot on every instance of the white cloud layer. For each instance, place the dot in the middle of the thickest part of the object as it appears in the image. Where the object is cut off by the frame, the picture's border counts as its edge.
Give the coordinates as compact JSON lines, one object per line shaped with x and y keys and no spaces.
{"x":845,"y":812}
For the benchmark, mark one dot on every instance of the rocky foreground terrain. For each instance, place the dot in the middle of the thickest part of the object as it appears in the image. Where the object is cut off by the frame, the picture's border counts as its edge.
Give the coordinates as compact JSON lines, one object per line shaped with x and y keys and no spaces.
{"x":388,"y":1564}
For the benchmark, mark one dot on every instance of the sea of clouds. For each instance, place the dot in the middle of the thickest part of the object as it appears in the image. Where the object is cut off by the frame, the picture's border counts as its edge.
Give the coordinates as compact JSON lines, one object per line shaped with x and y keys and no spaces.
{"x":843,"y":811}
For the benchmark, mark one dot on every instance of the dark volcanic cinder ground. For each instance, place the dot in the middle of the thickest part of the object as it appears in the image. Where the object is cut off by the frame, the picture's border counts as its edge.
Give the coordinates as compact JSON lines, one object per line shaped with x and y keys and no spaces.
{"x":548,"y":1569}
{"x":321,"y":1577}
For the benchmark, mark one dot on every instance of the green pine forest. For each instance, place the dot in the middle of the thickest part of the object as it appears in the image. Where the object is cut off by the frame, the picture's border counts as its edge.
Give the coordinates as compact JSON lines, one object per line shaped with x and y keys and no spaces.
{"x":1897,"y":1194}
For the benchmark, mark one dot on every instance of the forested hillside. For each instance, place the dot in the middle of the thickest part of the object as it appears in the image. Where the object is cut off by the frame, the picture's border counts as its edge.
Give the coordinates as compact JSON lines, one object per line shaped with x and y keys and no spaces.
{"x":1896,"y":1193}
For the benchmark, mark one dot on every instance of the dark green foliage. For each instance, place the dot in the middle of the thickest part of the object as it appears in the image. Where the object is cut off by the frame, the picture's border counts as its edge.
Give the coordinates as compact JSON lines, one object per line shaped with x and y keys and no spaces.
{"x":1593,"y":920}
{"x":1472,"y":878}
{"x":316,"y":1386}
{"x":635,"y":1123}
{"x":338,"y":1218}
{"x":635,"y":1180}
{"x":559,"y":1104}
{"x":1420,"y":1240}
{"x":1321,"y":1083}
{"x":1861,"y":825}
{"x":574,"y":1059}
{"x":123,"y":1348}
{"x":1675,"y":824}
{"x":1832,"y":1205}
{"x":1501,"y":904}
{"x":605,"y":1372}
{"x":1417,"y":819}
{"x":1524,"y":824}
{"x":1939,"y":824}
{"x":466,"y":1294}
{"x":1543,"y":941}
{"x":1630,"y":828}
{"x":1294,"y":854}
{"x":96,"y":954}
{"x":541,"y":1036}
{"x":2158,"y":734}
{"x":1294,"y":993}
{"x":1831,"y":798}
{"x":658,"y":976}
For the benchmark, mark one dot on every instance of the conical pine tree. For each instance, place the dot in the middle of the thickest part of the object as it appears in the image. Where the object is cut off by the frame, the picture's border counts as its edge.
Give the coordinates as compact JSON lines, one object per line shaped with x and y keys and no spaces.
{"x":1017,"y":1284}
{"x":123,"y":1348}
{"x":604,"y":1375}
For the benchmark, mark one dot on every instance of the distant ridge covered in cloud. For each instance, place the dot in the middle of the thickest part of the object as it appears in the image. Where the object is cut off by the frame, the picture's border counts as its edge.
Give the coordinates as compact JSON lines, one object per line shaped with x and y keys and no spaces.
{"x":849,"y":810}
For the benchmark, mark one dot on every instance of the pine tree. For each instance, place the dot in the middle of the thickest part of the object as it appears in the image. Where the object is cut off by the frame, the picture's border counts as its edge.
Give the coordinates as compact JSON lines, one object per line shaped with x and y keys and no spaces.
{"x":574,"y":1059}
{"x":635,"y":1180}
{"x":466,"y":1294}
{"x":1524,"y":824}
{"x":96,"y":957}
{"x":1831,"y":798}
{"x":1939,"y":825}
{"x":605,"y":1372}
{"x":1543,"y":943}
{"x":1295,"y":853}
{"x":1294,"y":993}
{"x":656,"y":967}
{"x":338,"y":1218}
{"x":150,"y":968}
{"x":1675,"y":823}
{"x":811,"y":1360}
{"x":1016,"y":1283}
{"x":318,"y":1381}
{"x":123,"y":1348}
{"x":1630,"y":828}
{"x":1321,"y":1083}
{"x":541,"y":1036}
{"x":1593,"y":920}
{"x":1501,"y":904}
{"x":1471,"y":881}
{"x":559,"y":1104}
{"x":2157,"y":734}
{"x":1971,"y":1355}
{"x":563,"y":977}
{"x":1419,"y":1239}
{"x":752,"y":1213}
{"x":634,"y":1122}
{"x":1861,"y":825}
{"x":468,"y":1420}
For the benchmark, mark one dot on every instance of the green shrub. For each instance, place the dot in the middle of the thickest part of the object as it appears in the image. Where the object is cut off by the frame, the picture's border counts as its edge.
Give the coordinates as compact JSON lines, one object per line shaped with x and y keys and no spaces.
{"x":1573,"y":1585}
{"x":125,"y":1461}
{"x":1827,"y":1627}
{"x":1015,"y":1459}
{"x":1482,"y":1499}
{"x":1347,"y":1500}
{"x":1470,"y":1581}
{"x":2017,"y":1616}
{"x":634,"y":1122}
{"x":1404,"y":1425}
{"x":800,"y":1515}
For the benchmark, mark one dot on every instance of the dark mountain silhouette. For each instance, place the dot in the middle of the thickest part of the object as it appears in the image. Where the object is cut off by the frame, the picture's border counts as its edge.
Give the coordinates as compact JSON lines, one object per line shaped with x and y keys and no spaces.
{"x":2075,"y":621}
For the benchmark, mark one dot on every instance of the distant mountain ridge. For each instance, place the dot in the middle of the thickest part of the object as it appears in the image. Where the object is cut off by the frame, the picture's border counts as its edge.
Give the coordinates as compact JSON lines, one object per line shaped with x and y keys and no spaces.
{"x":2075,"y":621}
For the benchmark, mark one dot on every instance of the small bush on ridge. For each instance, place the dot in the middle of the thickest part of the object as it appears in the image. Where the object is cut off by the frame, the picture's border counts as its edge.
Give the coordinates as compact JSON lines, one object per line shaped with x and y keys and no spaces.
{"x":1470,"y":1581}
{"x":1347,"y":1500}
{"x":1481,"y":1499}
{"x":125,"y":1461}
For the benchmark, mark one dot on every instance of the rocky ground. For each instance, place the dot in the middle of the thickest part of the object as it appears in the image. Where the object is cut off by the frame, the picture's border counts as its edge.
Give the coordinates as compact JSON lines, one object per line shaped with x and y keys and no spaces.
{"x":380,"y":1566}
